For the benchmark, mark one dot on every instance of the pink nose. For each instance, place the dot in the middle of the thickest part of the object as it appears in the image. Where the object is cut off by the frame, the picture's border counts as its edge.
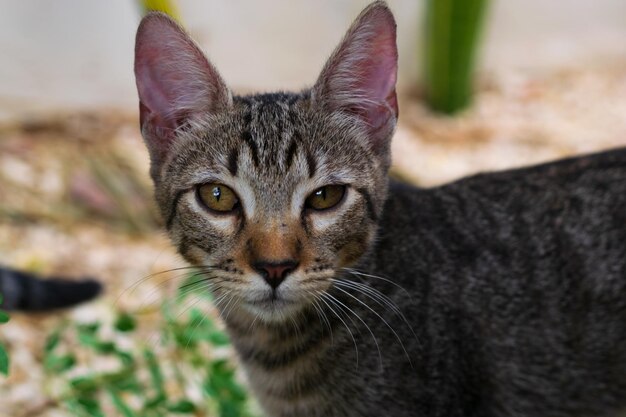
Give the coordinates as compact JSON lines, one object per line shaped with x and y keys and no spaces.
{"x":275,"y":272}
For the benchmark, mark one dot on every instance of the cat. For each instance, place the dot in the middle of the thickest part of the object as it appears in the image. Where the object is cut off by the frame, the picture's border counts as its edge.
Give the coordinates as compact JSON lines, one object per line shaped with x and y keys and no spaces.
{"x":24,"y":291}
{"x":348,"y":294}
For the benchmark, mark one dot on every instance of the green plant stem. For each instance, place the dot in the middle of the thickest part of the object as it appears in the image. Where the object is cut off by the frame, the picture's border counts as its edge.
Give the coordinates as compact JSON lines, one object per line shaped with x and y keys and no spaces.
{"x":453,"y":29}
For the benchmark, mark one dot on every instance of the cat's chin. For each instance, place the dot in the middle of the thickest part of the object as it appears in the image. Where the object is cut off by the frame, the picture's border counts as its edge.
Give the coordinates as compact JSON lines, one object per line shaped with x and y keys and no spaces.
{"x":273,"y":309}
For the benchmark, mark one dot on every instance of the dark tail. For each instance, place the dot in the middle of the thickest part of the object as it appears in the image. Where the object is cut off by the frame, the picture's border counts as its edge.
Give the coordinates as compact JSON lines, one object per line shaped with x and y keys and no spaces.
{"x":27,"y":292}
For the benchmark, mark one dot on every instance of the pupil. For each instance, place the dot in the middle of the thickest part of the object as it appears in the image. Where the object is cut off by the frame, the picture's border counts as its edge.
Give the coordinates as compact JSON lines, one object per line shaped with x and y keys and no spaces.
{"x":321,"y":193}
{"x":217,"y":193}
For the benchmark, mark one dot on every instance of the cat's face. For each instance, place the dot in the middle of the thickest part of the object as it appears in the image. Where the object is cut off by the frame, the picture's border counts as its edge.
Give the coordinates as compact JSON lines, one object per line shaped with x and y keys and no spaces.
{"x":270,"y":194}
{"x":259,"y":184}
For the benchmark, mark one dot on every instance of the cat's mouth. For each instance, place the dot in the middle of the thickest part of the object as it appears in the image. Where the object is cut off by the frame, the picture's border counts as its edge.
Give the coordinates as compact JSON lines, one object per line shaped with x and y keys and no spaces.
{"x":273,"y":299}
{"x":281,"y":302}
{"x":273,"y":305}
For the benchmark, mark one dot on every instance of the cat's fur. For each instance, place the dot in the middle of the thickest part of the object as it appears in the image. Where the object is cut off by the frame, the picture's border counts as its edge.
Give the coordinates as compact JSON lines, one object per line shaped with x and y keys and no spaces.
{"x":498,"y":295}
{"x":25,"y":291}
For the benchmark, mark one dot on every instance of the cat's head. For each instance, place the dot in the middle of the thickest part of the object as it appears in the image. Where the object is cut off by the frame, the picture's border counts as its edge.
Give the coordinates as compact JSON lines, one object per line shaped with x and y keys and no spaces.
{"x":271,"y":195}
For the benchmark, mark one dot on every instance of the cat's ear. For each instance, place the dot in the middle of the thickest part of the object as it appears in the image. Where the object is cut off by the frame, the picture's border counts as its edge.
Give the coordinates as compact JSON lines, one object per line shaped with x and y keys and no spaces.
{"x":360,"y":77}
{"x":175,"y":81}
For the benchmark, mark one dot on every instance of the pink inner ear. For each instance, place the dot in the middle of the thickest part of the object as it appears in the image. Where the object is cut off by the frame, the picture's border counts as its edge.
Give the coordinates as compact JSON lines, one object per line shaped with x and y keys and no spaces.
{"x":381,"y":67}
{"x":175,"y":81}
{"x":174,"y":78}
{"x":379,"y":79}
{"x":360,"y":76}
{"x":160,"y":104}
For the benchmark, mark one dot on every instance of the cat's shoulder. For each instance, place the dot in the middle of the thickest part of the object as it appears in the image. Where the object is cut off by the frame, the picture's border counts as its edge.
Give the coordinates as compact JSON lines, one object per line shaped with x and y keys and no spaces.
{"x":590,"y":177}
{"x":609,"y":164}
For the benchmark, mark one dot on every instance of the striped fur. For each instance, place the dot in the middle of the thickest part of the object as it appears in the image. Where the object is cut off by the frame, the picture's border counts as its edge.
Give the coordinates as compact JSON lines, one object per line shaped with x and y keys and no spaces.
{"x":409,"y":303}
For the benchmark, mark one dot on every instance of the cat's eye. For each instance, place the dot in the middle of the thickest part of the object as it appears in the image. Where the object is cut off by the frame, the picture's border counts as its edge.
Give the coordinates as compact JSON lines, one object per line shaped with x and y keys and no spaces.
{"x":218,"y":197}
{"x":326,"y":197}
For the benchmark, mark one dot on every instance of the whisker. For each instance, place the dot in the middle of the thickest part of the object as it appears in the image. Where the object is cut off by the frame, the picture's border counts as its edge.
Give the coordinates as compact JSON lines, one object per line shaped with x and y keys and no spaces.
{"x":141,"y":280}
{"x":197,"y":325}
{"x":377,"y":296}
{"x":256,"y":316}
{"x":133,"y":287}
{"x":322,"y":316}
{"x":189,"y":307}
{"x":219,"y":300}
{"x":197,"y":300}
{"x":372,"y":293}
{"x":356,"y":347}
{"x":380,"y":357}
{"x":202,"y":283}
{"x":360,"y":273}
{"x":159,"y":285}
{"x":208,"y":280}
{"x":230,"y":306}
{"x":295,"y":327}
{"x":384,"y":321}
{"x":190,"y":285}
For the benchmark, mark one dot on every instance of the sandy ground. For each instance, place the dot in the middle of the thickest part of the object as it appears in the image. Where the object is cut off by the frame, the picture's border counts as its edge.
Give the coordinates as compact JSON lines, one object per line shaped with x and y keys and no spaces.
{"x":75,"y":197}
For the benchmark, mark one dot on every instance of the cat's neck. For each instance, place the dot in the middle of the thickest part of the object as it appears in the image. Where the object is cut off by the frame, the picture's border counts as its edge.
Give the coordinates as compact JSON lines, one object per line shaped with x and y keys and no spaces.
{"x":284,"y":361}
{"x":280,"y":340}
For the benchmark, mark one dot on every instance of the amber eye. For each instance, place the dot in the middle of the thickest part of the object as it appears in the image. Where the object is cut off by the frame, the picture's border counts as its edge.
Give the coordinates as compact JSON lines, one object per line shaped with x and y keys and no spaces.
{"x":218,"y":197}
{"x":326,"y":197}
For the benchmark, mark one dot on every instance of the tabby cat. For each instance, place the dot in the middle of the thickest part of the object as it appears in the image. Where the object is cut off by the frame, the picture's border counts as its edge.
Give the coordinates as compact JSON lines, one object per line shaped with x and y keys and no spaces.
{"x":347,"y":294}
{"x":24,"y":291}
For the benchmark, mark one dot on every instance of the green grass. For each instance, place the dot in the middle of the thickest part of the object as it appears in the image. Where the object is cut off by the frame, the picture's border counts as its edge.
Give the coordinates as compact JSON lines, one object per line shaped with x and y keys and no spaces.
{"x":185,"y":370}
{"x":4,"y":357}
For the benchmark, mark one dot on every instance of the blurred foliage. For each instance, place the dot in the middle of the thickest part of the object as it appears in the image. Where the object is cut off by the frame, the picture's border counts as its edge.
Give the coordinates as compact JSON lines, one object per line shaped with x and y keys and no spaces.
{"x":452,"y":34}
{"x":166,"y":6}
{"x":77,"y":169}
{"x":4,"y":357}
{"x":187,"y":372}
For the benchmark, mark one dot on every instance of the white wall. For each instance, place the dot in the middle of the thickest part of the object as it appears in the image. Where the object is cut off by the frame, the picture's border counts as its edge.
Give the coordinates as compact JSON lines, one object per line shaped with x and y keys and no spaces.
{"x":76,"y":54}
{"x":538,"y":34}
{"x":65,"y":54}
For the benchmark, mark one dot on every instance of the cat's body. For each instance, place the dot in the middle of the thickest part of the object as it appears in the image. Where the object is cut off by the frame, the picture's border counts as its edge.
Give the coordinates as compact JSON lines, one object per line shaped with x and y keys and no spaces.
{"x":498,"y":295}
{"x":28,"y":292}
{"x":511,"y":314}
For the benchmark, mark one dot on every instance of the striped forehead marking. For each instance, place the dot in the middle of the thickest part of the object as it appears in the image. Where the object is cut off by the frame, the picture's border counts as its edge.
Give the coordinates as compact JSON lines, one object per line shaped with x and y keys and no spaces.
{"x":272,"y":116}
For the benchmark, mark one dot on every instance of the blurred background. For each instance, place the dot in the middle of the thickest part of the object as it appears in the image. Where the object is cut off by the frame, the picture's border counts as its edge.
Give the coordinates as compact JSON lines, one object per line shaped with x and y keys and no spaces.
{"x":483,"y":85}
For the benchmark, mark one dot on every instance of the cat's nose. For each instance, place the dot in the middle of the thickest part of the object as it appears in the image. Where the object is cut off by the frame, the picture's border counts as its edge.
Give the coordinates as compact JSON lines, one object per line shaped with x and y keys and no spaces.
{"x":275,"y":272}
